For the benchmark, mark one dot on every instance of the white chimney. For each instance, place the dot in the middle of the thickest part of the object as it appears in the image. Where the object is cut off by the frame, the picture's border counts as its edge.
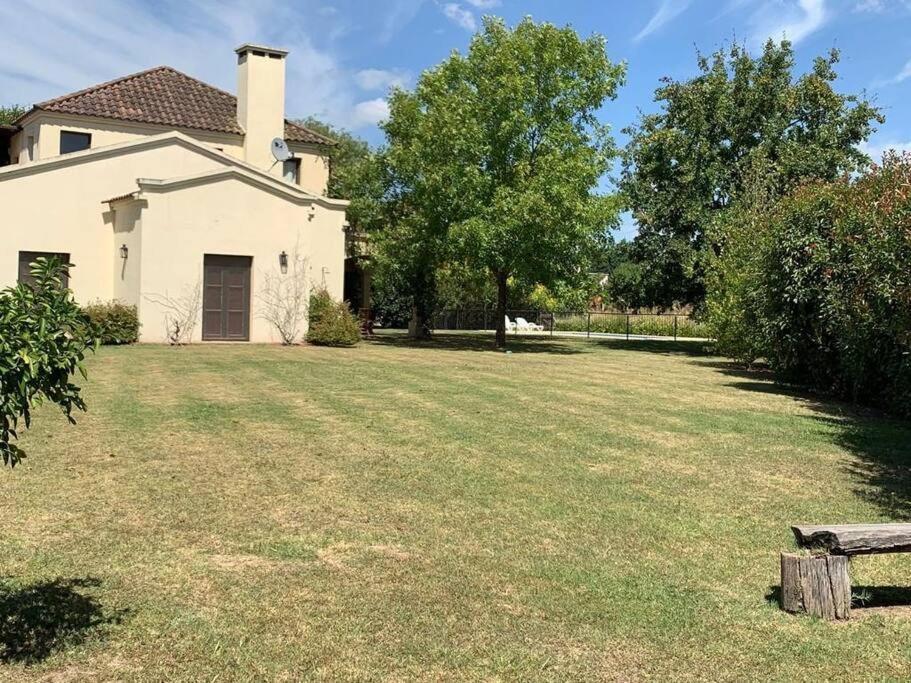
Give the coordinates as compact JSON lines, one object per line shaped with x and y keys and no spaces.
{"x":261,"y":102}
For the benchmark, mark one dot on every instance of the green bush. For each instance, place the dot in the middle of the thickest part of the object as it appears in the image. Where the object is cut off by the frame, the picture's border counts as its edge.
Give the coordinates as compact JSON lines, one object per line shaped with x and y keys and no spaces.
{"x":822,"y":288}
{"x":43,"y":339}
{"x":115,"y":322}
{"x":331,"y":323}
{"x":321,"y":303}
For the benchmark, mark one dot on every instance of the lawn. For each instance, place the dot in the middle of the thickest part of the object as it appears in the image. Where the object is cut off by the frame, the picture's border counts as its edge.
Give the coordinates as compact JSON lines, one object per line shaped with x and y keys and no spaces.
{"x":571,"y":510}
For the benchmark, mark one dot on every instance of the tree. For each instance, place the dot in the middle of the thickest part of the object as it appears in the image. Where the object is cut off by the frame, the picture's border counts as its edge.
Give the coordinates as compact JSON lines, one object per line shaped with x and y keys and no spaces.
{"x":9,"y":113}
{"x":354,"y":174}
{"x":687,"y":164}
{"x":43,"y":340}
{"x":418,"y":205}
{"x":501,"y":150}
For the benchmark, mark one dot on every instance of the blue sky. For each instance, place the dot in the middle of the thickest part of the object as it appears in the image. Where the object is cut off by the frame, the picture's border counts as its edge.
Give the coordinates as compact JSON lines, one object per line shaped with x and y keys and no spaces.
{"x":345,"y":54}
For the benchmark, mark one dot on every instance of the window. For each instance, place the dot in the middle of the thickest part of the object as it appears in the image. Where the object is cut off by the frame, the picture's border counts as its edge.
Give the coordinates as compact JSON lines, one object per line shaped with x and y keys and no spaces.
{"x":291,"y":170}
{"x":27,"y":258}
{"x":30,"y":148}
{"x":74,"y":142}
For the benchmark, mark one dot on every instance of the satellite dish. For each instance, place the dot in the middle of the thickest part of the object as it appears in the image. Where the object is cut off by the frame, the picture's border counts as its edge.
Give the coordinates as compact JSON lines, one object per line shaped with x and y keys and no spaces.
{"x":280,"y":150}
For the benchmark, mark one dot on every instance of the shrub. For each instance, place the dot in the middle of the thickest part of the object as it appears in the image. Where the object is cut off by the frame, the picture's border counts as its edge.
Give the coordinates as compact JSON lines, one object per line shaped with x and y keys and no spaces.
{"x":43,"y":339}
{"x":321,"y":303}
{"x":331,"y":323}
{"x":824,"y":290}
{"x":115,"y":322}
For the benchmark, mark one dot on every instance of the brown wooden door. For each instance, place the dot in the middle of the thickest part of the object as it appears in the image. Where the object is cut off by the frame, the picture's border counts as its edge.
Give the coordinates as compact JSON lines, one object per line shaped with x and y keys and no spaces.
{"x":226,"y":298}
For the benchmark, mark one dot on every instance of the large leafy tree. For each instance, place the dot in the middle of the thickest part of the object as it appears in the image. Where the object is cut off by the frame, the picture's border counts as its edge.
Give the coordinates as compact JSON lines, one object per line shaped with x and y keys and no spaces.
{"x":688,"y":163}
{"x":501,"y":151}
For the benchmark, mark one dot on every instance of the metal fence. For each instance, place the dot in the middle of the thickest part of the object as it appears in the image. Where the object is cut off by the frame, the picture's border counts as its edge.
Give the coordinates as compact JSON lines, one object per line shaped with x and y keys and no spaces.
{"x":629,"y":325}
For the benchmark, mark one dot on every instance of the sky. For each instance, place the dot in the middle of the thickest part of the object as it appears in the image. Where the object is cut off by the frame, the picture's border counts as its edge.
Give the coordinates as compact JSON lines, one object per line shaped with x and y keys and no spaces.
{"x":346,"y":54}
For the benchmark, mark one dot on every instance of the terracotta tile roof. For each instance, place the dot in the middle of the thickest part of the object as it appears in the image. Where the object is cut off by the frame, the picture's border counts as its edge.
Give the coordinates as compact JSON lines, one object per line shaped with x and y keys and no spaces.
{"x":166,"y":97}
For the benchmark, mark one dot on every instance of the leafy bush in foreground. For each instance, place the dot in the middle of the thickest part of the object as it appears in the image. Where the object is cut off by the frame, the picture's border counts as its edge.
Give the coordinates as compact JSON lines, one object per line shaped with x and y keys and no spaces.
{"x":43,"y":339}
{"x":115,"y":322}
{"x":819,"y":284}
{"x":331,"y":323}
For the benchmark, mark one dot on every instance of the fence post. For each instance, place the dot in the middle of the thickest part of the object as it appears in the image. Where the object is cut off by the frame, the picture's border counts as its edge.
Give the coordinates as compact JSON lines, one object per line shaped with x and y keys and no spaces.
{"x":627,"y":327}
{"x":675,"y":328}
{"x":588,"y":326}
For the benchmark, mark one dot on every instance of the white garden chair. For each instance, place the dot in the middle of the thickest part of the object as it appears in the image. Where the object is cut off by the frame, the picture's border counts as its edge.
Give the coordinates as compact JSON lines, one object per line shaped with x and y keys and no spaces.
{"x":510,"y":325}
{"x":525,"y":326}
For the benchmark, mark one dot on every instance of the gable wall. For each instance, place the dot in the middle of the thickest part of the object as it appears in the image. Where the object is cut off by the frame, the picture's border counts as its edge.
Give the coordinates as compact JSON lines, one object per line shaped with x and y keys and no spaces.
{"x":229,"y":217}
{"x":60,"y":209}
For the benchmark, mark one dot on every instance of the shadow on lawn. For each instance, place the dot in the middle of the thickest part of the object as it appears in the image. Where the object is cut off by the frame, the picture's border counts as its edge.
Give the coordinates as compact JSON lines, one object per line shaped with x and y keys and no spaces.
{"x":38,"y":619}
{"x":861,"y":596}
{"x":660,"y":346}
{"x":481,"y":342}
{"x":881,"y":444}
{"x":540,"y":343}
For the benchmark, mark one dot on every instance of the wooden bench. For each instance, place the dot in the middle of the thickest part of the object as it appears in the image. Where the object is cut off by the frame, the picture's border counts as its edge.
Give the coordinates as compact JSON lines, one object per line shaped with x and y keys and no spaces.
{"x":819,"y":583}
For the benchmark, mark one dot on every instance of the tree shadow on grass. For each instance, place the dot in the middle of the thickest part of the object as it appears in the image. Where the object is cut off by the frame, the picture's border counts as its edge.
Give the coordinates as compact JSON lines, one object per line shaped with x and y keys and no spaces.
{"x":41,"y":618}
{"x":861,"y":596}
{"x":480,"y":342}
{"x":881,"y":444}
{"x":658,"y":346}
{"x":540,"y":343}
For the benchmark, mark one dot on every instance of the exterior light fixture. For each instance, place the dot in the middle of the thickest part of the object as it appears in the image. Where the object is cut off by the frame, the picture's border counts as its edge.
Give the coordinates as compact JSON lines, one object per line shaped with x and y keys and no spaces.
{"x":124,"y":252}
{"x":283,"y":262}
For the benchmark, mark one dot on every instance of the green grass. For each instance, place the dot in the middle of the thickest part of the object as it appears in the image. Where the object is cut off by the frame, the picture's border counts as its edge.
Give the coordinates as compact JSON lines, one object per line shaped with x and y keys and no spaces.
{"x":570,"y":511}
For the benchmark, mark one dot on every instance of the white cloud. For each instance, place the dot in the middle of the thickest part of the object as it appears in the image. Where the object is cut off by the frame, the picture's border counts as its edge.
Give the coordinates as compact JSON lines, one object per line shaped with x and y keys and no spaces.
{"x":903,"y":75}
{"x":875,"y":150}
{"x":75,"y":49}
{"x":794,"y":22}
{"x":667,"y":10}
{"x":880,"y":6}
{"x":460,"y":16}
{"x":397,"y":13}
{"x":370,"y":113}
{"x":484,"y":4}
{"x":381,"y":79}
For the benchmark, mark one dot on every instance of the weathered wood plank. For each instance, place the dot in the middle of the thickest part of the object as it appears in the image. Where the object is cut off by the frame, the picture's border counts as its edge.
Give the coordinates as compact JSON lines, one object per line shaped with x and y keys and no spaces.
{"x":818,"y":585}
{"x":855,"y":539}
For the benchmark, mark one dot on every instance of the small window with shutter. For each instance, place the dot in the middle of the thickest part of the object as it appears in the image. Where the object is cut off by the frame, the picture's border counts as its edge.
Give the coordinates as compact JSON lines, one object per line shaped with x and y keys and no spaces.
{"x":74,"y":142}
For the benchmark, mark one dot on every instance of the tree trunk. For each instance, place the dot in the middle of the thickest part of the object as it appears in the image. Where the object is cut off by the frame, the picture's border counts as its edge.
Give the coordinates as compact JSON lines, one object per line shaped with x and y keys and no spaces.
{"x":501,"y":309}
{"x":818,"y":585}
{"x":417,"y":326}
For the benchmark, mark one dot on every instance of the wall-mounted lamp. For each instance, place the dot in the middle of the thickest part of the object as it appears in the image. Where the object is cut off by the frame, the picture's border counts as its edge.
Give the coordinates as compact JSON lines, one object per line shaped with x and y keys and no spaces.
{"x":283,"y":262}
{"x":124,"y":252}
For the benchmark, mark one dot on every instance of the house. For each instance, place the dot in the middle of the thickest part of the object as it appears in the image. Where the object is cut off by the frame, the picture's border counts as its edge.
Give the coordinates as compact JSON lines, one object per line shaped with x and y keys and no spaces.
{"x":165,"y":193}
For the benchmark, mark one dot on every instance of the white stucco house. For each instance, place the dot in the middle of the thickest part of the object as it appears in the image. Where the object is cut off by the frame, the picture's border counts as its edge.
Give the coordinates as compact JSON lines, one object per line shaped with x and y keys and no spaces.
{"x":156,"y":184}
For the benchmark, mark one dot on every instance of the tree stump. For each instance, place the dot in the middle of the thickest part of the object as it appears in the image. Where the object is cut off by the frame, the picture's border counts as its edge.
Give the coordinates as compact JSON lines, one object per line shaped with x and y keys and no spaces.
{"x":818,"y":585}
